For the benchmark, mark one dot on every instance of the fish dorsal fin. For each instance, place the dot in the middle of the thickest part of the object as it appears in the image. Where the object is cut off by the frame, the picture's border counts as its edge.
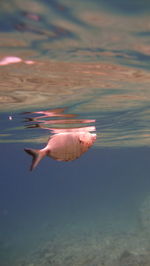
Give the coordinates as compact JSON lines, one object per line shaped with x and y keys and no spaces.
{"x":37,"y":155}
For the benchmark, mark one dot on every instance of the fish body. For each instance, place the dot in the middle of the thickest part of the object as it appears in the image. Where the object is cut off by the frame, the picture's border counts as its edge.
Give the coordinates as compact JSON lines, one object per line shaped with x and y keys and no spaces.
{"x":65,"y":146}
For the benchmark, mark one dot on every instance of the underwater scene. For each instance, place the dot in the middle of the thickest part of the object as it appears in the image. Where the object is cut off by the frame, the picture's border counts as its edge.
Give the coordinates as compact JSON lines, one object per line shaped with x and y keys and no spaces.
{"x":74,"y":133}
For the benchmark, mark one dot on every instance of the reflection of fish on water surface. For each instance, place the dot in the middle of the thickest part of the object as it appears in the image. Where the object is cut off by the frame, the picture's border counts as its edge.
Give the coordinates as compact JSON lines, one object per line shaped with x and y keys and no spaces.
{"x":65,"y":144}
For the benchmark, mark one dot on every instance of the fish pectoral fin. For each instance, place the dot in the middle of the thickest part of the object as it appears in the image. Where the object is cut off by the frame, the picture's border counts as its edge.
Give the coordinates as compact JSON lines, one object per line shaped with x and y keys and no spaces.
{"x":37,"y":156}
{"x":81,"y":140}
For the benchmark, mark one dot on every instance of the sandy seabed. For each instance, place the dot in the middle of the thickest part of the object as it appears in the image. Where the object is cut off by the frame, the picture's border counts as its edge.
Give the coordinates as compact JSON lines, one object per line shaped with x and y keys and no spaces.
{"x":82,"y":245}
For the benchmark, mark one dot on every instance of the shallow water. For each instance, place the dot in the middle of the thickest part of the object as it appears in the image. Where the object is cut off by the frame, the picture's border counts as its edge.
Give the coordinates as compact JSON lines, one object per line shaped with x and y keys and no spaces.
{"x":74,"y":66}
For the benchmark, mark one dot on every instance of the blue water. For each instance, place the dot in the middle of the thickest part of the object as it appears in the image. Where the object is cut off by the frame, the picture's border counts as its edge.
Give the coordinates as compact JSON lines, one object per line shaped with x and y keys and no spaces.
{"x":87,"y":64}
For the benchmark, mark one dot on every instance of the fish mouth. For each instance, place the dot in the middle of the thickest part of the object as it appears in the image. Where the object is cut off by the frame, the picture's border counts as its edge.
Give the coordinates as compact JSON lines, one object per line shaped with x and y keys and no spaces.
{"x":93,"y":137}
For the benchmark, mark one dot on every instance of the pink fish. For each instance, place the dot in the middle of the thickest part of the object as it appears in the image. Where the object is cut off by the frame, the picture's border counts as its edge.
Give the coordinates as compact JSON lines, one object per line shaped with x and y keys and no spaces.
{"x":66,"y":146}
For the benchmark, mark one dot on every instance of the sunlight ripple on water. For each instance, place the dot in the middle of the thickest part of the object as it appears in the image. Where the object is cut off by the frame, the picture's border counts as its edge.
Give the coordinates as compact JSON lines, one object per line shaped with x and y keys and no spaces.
{"x":95,"y":60}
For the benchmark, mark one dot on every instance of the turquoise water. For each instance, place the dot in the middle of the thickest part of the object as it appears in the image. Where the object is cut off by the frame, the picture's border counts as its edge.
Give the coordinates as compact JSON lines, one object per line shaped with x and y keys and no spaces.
{"x":75,"y":66}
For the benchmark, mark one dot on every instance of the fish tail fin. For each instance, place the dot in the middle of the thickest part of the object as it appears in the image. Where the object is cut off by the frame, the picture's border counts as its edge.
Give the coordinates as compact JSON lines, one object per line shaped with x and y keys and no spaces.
{"x":37,"y":156}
